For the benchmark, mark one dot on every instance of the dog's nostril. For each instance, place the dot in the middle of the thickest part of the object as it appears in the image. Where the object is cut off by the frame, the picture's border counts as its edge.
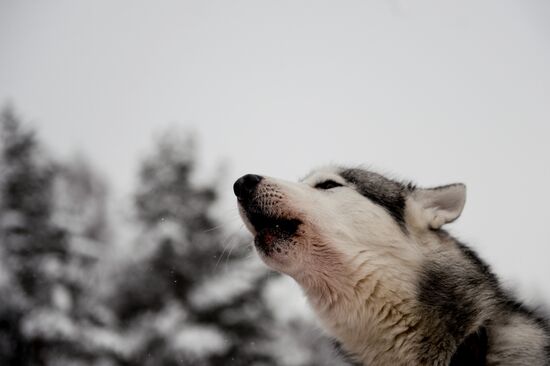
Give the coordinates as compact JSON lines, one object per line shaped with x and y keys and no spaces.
{"x":246,"y":184}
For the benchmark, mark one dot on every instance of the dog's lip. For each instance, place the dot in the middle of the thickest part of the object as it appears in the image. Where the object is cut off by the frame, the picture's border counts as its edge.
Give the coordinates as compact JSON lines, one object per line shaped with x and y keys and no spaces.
{"x":277,"y":224}
{"x":260,"y":220}
{"x":266,"y":224}
{"x":269,"y":231}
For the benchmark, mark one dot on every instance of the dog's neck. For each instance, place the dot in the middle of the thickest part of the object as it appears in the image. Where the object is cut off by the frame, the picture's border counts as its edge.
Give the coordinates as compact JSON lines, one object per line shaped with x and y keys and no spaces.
{"x":367,"y":302}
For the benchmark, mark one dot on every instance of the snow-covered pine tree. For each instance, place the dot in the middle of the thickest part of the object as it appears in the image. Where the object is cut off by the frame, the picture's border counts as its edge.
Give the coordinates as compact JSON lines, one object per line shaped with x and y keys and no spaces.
{"x":33,"y":249}
{"x":46,"y":261}
{"x":158,"y":295}
{"x":81,"y":200}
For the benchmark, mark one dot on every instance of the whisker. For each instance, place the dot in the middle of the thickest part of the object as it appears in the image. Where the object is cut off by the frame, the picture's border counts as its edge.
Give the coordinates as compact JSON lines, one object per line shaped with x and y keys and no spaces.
{"x":223,"y":224}
{"x":235,"y":243}
{"x":225,"y":245}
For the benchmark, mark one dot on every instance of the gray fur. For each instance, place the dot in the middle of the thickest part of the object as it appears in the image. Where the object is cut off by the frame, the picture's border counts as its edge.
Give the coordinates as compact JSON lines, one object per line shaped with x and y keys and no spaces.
{"x":468,"y":317}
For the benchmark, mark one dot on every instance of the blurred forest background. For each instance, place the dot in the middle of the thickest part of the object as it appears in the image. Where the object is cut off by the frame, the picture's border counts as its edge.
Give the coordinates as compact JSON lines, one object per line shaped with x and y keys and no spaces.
{"x":179,"y":291}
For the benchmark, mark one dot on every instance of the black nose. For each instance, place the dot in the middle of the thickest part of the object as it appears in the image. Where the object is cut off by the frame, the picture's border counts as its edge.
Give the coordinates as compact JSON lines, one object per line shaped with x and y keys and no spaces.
{"x":245,"y":185}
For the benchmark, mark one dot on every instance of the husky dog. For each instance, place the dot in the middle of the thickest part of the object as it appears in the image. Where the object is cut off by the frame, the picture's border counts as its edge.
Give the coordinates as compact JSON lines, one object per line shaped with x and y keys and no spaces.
{"x":386,"y":280}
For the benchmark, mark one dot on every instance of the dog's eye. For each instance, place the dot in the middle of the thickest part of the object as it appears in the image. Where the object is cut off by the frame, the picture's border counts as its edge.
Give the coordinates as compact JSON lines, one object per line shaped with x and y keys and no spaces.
{"x":328,"y":184}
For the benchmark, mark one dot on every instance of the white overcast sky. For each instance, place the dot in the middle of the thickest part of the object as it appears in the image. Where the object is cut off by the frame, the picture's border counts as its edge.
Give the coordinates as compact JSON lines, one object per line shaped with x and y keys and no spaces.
{"x":435,"y":91}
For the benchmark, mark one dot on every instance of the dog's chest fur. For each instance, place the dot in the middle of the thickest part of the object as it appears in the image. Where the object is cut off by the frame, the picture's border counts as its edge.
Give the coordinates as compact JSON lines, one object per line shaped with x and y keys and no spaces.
{"x":377,"y":309}
{"x":381,"y":331}
{"x":372,"y":308}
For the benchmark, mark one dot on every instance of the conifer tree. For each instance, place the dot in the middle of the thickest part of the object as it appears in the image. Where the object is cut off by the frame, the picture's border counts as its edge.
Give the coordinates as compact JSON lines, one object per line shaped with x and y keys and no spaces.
{"x":46,"y":264}
{"x":181,"y":252}
{"x":32,"y":248}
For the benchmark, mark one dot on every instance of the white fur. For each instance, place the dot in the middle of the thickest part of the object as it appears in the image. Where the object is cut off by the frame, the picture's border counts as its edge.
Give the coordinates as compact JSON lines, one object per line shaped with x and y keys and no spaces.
{"x":356,"y":266}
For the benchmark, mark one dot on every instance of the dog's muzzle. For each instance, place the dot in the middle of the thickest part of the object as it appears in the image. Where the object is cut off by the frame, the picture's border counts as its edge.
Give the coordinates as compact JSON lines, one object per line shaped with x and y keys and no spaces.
{"x":269,"y":225}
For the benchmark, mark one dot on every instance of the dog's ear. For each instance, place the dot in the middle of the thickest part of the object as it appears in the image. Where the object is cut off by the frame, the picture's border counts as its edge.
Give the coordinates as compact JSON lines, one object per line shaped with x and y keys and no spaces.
{"x":441,"y":205}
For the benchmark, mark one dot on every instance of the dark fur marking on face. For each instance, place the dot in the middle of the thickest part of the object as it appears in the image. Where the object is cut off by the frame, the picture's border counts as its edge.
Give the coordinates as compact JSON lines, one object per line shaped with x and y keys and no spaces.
{"x":383,"y":191}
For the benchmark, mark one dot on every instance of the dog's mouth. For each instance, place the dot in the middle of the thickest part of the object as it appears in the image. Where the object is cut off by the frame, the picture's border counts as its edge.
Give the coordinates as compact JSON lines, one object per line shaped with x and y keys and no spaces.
{"x":271,"y":230}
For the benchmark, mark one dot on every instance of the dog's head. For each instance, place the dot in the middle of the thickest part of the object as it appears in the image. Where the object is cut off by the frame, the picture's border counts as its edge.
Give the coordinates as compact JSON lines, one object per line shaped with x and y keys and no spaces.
{"x":335,"y":214}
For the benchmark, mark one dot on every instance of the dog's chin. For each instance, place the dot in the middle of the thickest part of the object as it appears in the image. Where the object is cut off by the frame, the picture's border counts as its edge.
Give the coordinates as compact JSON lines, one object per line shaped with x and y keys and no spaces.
{"x":277,"y":246}
{"x":277,"y":251}
{"x":277,"y":240}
